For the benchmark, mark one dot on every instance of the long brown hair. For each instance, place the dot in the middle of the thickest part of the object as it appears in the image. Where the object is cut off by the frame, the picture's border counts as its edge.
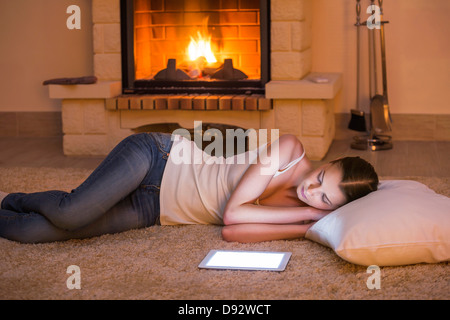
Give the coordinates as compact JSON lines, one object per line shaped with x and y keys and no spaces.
{"x":358,"y":177}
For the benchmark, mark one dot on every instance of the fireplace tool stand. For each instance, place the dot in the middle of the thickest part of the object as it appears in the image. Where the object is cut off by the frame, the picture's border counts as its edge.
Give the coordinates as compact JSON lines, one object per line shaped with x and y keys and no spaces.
{"x":372,"y":141}
{"x":380,"y":117}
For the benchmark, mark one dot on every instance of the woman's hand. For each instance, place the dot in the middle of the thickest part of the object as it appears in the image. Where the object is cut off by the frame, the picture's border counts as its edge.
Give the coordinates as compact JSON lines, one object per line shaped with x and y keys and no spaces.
{"x":257,"y":232}
{"x":250,"y":213}
{"x":317,"y":214}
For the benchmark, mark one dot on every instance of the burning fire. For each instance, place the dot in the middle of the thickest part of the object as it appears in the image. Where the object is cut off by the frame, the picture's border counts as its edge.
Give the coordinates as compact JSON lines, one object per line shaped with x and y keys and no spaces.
{"x":201,"y":47}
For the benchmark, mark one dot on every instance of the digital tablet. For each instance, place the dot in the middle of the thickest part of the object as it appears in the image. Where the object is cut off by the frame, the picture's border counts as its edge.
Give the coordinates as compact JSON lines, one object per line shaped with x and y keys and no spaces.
{"x":246,"y":260}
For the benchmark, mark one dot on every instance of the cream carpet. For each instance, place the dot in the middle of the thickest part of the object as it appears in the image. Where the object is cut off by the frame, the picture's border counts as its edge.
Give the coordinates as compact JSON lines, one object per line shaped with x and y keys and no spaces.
{"x":160,"y":262}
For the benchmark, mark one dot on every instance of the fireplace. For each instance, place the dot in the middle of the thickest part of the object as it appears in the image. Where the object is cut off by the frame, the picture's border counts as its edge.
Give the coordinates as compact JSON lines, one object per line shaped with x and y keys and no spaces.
{"x":127,"y":97}
{"x":195,"y":46}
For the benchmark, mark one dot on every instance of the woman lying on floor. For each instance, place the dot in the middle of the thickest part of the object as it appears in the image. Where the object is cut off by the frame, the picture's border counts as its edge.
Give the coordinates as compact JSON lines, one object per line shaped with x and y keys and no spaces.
{"x":143,"y":177}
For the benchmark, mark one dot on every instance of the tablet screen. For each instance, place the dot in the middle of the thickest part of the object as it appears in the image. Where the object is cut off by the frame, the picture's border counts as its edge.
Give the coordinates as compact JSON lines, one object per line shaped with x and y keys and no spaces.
{"x":246,"y":260}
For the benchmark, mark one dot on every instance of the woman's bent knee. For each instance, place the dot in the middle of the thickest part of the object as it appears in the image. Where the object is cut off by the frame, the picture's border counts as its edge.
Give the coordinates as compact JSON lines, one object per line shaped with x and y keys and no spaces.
{"x":68,"y":220}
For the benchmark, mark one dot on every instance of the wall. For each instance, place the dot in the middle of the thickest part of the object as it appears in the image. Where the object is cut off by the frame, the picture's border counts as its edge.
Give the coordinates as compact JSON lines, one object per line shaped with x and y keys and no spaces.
{"x":417,"y":45}
{"x":36,"y":45}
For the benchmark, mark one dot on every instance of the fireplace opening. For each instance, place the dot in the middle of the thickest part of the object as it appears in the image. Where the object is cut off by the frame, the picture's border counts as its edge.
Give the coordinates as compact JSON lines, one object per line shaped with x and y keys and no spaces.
{"x":195,"y":46}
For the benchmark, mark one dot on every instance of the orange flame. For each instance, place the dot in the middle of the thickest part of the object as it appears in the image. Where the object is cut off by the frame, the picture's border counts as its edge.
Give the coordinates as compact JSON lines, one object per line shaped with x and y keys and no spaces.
{"x":201,"y":46}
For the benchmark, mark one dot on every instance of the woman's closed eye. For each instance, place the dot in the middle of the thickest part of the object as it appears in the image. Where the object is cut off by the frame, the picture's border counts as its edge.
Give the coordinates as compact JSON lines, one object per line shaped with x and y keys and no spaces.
{"x":320,"y":178}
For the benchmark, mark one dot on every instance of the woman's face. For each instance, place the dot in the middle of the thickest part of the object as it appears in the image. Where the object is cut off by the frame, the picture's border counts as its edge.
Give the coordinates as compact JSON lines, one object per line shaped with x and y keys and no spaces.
{"x":320,"y":188}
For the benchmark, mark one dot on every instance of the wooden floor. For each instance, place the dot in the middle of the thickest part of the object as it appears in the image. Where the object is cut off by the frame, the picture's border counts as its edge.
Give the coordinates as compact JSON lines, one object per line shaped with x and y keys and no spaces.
{"x":40,"y":152}
{"x":407,"y":158}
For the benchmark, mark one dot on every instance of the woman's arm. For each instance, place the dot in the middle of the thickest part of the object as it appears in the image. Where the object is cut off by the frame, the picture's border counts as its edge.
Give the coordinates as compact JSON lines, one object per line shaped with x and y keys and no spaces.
{"x":251,"y":213}
{"x":240,"y":207}
{"x":263,"y":232}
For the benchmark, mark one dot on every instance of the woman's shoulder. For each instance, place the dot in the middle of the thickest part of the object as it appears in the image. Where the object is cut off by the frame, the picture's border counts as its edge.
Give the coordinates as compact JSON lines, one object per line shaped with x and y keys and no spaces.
{"x":291,"y":146}
{"x":291,"y":149}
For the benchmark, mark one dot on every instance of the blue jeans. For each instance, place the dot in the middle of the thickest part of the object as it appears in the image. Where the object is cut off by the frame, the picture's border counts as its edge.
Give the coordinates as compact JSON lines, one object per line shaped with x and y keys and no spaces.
{"x":122,"y":193}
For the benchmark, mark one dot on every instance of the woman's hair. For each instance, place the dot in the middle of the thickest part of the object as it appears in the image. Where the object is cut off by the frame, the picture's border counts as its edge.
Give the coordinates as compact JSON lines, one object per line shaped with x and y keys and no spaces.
{"x":359,"y":177}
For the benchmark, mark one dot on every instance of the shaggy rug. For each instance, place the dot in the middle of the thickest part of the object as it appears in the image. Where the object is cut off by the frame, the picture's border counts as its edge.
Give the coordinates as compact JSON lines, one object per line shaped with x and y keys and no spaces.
{"x":160,"y":262}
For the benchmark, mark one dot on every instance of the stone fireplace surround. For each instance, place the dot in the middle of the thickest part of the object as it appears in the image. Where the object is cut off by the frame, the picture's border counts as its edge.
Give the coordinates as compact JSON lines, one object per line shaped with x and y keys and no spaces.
{"x":96,"y":117}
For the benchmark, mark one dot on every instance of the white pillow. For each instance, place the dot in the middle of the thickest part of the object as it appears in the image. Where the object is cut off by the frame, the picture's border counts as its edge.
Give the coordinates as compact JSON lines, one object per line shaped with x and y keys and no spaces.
{"x":403,"y":222}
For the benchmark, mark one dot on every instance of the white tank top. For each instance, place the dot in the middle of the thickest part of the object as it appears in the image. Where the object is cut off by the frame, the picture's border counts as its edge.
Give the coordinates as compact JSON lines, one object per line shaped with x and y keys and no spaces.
{"x":289,"y":165}
{"x":196,"y":186}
